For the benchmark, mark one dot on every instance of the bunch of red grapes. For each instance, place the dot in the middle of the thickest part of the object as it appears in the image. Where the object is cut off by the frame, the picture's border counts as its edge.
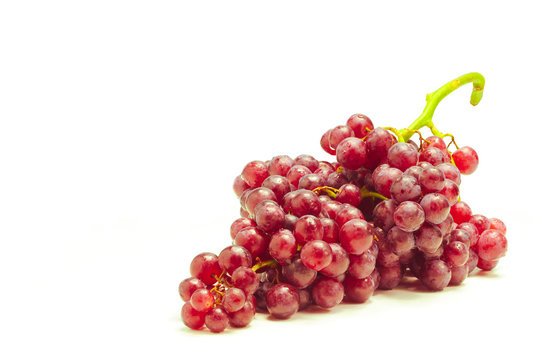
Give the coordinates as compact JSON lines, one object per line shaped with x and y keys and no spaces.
{"x":318,"y":233}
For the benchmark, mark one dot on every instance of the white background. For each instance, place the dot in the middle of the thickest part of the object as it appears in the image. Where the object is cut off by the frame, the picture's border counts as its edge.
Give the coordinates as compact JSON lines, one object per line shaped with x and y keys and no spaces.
{"x":123,"y":124}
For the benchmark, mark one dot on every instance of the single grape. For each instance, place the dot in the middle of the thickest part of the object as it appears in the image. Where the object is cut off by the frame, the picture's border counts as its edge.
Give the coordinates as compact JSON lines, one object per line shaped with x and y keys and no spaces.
{"x":436,"y":274}
{"x":358,"y":290}
{"x":205,"y":267}
{"x":428,"y":238}
{"x":339,"y":261}
{"x":459,"y":274}
{"x":433,"y":155}
{"x":188,"y":286}
{"x":202,"y":300}
{"x":297,"y":274}
{"x":400,"y":242}
{"x":390,"y":276}
{"x":338,"y":134}
{"x":385,"y":179}
{"x":405,"y":188}
{"x":305,"y":202}
{"x":497,"y":224}
{"x":466,"y":160}
{"x":492,"y":245}
{"x":383,"y":214}
{"x":256,"y":196}
{"x":379,"y":142}
{"x":308,"y":228}
{"x":432,"y":179}
{"x":349,"y":194}
{"x":245,"y":279}
{"x":352,"y":153}
{"x":324,"y":143}
{"x":456,"y":254}
{"x":362,"y":265}
{"x":269,"y":217}
{"x":450,"y":192}
{"x":451,"y":172}
{"x":481,"y":222}
{"x":217,"y":320}
{"x":233,"y":257}
{"x":244,"y":316}
{"x":402,"y":156}
{"x":327,"y":292}
{"x":252,"y":239}
{"x":332,"y":207}
{"x":191,"y":317}
{"x":311,"y":182}
{"x":308,"y":161}
{"x":282,"y":300}
{"x":360,"y":124}
{"x":239,"y":185}
{"x":347,"y":213}
{"x":255,"y":173}
{"x":283,"y":245}
{"x":278,"y":184}
{"x":316,"y":254}
{"x":239,"y":225}
{"x":295,"y":174}
{"x":234,"y":299}
{"x":280,"y":165}
{"x":461,"y":212}
{"x":409,"y":216}
{"x":356,"y":236}
{"x":436,"y":208}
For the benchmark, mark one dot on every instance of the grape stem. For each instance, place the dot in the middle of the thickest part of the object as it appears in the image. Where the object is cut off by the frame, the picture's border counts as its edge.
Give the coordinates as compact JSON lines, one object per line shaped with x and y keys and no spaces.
{"x":434,"y":98}
{"x":262,"y":264}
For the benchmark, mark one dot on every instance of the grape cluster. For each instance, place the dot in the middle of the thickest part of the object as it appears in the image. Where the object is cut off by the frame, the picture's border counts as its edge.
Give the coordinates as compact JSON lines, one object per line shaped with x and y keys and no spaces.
{"x":318,"y":233}
{"x":315,"y":233}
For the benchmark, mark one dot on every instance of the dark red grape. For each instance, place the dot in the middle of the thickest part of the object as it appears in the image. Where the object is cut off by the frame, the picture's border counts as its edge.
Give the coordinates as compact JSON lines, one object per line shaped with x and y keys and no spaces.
{"x":188,"y":286}
{"x":255,"y":173}
{"x":360,"y":124}
{"x":245,"y":279}
{"x":216,"y":320}
{"x":280,"y":165}
{"x":327,"y":292}
{"x":283,"y":245}
{"x":492,"y":245}
{"x":191,"y":317}
{"x":409,"y":216}
{"x":202,"y":300}
{"x":205,"y":267}
{"x":436,"y":274}
{"x":233,"y":257}
{"x":282,"y":300}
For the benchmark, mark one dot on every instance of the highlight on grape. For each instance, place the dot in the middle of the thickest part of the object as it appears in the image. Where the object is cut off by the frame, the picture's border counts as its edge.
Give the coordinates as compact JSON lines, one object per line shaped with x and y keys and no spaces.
{"x":315,"y":232}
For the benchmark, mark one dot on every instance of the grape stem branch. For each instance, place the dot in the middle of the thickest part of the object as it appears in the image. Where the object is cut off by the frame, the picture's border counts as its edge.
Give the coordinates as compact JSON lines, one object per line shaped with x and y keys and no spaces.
{"x":434,"y":98}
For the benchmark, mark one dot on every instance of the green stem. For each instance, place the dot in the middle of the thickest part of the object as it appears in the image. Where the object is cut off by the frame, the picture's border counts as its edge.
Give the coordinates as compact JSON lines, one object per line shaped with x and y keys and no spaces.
{"x":260,"y":265}
{"x":366,"y":193}
{"x":434,"y":98}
